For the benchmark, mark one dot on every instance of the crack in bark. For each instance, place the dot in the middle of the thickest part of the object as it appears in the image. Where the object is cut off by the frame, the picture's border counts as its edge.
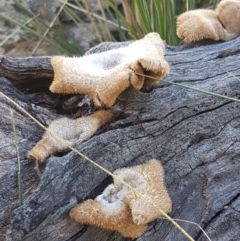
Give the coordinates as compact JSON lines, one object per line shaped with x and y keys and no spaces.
{"x":204,"y":137}
{"x":203,"y":163}
{"x":190,"y":116}
{"x":132,"y":123}
{"x":227,"y":53}
{"x":99,"y":188}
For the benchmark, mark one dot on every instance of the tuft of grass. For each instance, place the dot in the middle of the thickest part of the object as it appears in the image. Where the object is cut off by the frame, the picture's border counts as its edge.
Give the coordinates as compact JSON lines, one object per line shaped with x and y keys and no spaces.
{"x":142,"y":17}
{"x":18,"y":158}
{"x":33,"y":28}
{"x":136,"y":19}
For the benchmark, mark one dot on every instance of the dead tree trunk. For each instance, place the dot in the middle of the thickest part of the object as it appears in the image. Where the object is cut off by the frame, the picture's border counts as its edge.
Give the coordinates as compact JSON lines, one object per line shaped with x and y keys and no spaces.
{"x":196,"y":136}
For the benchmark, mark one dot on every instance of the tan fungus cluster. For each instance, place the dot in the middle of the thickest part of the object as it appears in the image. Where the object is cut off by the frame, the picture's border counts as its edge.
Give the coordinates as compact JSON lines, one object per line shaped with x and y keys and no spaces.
{"x":120,"y":209}
{"x":219,"y":25}
{"x":71,"y":131}
{"x":104,"y":76}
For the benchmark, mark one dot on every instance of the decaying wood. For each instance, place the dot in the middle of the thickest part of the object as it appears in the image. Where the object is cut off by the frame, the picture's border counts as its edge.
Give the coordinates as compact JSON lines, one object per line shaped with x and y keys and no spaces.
{"x":196,"y":137}
{"x":30,"y":74}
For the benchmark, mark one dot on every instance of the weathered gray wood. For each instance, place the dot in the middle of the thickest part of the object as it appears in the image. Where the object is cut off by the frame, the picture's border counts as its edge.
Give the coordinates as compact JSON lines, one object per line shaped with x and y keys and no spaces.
{"x":197,"y":138}
{"x":30,"y":74}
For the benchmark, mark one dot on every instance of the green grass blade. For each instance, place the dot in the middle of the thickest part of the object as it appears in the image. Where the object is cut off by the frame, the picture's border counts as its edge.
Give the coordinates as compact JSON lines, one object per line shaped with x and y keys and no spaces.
{"x":203,"y":91}
{"x":108,"y":36}
{"x":215,"y":3}
{"x":138,"y":18}
{"x":115,"y":18}
{"x":143,"y":10}
{"x":34,"y":33}
{"x":16,"y":31}
{"x":195,"y":89}
{"x":48,"y":28}
{"x":191,"y":4}
{"x":18,"y":159}
{"x":24,"y":8}
{"x":171,"y":32}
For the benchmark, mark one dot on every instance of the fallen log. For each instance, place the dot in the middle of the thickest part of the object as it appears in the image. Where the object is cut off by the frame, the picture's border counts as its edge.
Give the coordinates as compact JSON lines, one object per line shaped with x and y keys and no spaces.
{"x":196,"y":137}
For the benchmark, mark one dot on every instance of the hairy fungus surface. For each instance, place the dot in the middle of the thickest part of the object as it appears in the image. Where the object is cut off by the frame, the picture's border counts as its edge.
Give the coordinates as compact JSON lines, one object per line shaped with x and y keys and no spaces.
{"x":71,"y":131}
{"x":229,"y":14}
{"x":103,"y":76}
{"x":218,"y":25}
{"x":120,"y":209}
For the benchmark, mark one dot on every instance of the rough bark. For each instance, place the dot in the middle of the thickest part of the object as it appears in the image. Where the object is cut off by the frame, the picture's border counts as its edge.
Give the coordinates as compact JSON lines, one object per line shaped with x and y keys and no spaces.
{"x":27,"y":74}
{"x":196,"y":136}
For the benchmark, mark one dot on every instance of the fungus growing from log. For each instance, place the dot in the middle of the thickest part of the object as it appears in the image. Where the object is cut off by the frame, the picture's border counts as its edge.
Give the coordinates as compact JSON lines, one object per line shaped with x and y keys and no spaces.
{"x":218,"y":25}
{"x":120,"y":209}
{"x":71,"y":131}
{"x":104,"y":76}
